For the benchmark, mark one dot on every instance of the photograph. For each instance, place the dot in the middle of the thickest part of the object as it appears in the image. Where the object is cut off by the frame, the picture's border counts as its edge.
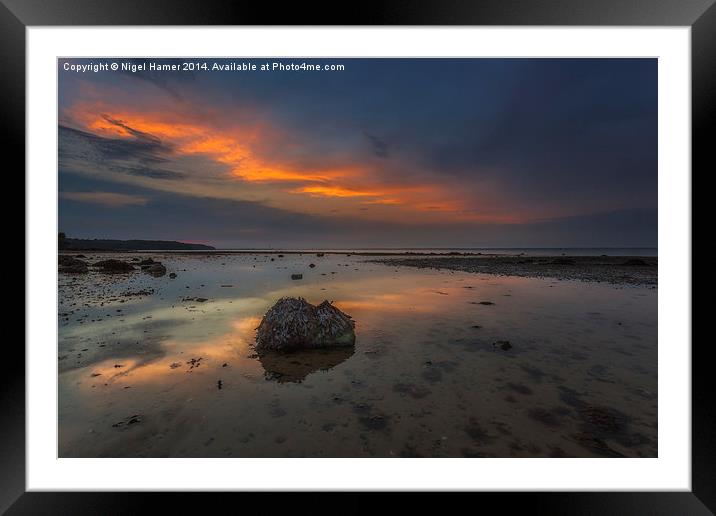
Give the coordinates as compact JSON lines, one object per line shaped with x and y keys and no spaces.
{"x":357,"y":257}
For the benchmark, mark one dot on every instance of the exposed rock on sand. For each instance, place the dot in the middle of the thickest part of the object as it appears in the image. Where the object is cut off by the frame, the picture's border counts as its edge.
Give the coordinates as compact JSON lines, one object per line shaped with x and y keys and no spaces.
{"x":638,"y":262}
{"x":143,"y":292}
{"x":293,"y":324}
{"x":617,"y":270}
{"x":114,"y":266}
{"x":504,"y":345}
{"x":564,"y":261}
{"x":156,"y":269}
{"x":71,"y":265}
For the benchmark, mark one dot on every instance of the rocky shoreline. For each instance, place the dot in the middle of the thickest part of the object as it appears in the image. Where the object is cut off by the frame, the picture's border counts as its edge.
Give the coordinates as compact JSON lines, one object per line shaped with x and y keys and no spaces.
{"x":79,"y":264}
{"x":617,"y":270}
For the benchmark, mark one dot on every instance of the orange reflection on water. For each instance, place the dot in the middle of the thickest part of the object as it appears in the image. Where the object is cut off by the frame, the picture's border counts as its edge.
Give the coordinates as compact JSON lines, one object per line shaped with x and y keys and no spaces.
{"x":182,"y":357}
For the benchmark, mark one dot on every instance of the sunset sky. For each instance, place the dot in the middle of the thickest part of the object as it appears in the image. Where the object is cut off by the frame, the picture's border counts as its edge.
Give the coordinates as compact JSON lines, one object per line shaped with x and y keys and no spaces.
{"x":386,"y":153}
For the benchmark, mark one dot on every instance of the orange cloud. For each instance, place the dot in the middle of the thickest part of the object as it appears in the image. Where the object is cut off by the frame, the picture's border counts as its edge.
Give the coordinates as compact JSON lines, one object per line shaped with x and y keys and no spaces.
{"x":259,"y":173}
{"x":101,"y":124}
{"x":335,"y":191}
{"x":233,"y":149}
{"x":390,"y":201}
{"x":242,"y":151}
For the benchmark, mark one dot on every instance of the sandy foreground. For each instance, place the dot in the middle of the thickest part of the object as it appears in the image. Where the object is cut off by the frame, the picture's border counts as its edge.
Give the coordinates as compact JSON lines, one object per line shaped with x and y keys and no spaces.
{"x":476,"y":362}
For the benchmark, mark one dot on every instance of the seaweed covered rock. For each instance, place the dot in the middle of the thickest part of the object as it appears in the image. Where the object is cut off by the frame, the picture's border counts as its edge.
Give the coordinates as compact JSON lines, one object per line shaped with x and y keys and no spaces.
{"x":294,"y":323}
{"x":564,"y":261}
{"x":71,"y":265}
{"x":156,"y":269}
{"x":113,"y":266}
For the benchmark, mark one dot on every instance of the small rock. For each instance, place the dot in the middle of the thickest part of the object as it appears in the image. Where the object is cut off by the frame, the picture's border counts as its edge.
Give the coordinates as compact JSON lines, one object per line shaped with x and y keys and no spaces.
{"x":144,"y":292}
{"x":114,"y":266}
{"x":156,"y":269}
{"x":563,"y":261}
{"x":71,"y":265}
{"x":131,"y":420}
{"x":504,"y":345}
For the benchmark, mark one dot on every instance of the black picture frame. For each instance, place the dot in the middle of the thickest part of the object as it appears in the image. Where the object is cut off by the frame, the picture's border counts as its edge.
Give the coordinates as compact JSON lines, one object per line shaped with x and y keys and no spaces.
{"x":17,"y":15}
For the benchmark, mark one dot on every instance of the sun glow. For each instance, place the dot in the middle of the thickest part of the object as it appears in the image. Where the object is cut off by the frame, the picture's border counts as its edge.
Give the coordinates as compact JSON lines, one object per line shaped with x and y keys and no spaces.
{"x":244,"y":154}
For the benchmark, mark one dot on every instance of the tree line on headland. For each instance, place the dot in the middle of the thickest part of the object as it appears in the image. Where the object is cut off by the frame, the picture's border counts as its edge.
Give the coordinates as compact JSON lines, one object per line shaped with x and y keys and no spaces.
{"x":101,"y":244}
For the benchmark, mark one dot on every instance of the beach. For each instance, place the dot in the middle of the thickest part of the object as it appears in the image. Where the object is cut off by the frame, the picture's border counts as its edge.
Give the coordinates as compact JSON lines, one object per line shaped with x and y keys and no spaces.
{"x":618,"y":270}
{"x":455,"y":356}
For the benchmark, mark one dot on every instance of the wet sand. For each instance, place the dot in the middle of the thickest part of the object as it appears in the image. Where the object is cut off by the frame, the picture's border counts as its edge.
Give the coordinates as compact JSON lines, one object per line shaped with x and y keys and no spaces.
{"x":621,"y":270}
{"x":447,"y":363}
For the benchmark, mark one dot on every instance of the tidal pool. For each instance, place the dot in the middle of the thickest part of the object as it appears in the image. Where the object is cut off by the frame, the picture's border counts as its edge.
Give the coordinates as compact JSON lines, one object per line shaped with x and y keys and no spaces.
{"x":161,"y":367}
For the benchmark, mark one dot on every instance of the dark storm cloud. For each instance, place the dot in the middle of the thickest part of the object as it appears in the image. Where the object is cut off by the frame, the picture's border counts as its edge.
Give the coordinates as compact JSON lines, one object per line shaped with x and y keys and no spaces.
{"x":557,"y":128}
{"x":380,"y":147}
{"x":563,"y":124}
{"x":149,"y":138}
{"x":155,"y":173}
{"x":141,"y":156}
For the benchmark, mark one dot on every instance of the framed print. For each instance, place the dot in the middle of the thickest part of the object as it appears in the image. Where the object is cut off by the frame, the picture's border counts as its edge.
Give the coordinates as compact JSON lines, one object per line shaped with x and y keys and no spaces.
{"x":442,"y":248}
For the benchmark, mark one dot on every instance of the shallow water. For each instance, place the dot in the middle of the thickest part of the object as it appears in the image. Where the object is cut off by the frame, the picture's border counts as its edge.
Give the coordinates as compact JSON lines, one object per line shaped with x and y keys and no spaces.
{"x":163,"y":375}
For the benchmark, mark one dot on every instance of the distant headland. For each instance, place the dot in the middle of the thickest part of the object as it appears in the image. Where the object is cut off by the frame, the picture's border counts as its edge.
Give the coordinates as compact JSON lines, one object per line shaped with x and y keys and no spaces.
{"x":101,"y":244}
